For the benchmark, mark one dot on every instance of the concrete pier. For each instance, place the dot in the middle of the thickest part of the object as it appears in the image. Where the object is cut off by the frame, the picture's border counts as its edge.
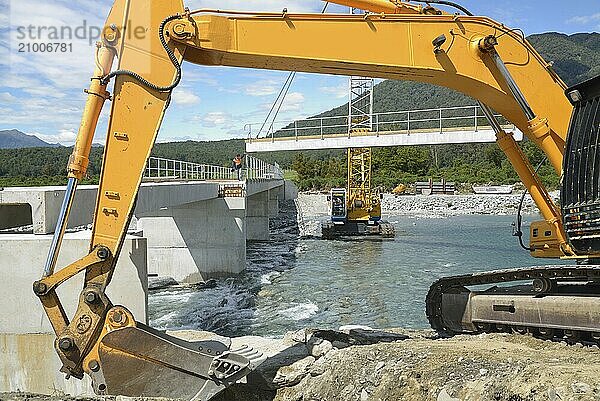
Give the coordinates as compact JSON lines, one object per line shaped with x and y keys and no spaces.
{"x":28,"y":361}
{"x":197,"y":241}
{"x":188,"y":230}
{"x":257,"y":217}
{"x":194,"y":232}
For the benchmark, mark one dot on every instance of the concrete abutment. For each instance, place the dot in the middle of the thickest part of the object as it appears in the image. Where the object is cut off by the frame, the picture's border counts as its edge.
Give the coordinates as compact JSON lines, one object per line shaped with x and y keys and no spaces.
{"x":28,"y":361}
{"x":257,"y":216}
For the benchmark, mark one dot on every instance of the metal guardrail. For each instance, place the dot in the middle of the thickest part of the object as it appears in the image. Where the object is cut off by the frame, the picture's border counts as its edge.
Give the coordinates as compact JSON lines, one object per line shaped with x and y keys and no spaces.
{"x":394,"y":121}
{"x":168,"y":169}
{"x":259,"y":169}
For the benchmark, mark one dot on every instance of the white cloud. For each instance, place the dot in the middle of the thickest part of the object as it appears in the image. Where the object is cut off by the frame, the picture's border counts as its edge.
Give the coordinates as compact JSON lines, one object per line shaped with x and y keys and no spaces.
{"x":195,"y":75}
{"x":339,"y":91}
{"x":176,"y":139}
{"x":7,"y":97}
{"x":584,"y":19}
{"x":215,"y":118}
{"x":64,"y":137}
{"x":262,"y":88}
{"x":185,"y":97}
{"x":293,"y":102}
{"x":42,"y":92}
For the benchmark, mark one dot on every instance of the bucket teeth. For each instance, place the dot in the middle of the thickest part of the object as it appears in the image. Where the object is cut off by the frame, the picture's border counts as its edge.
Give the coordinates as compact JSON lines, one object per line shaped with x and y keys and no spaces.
{"x":254,"y":356}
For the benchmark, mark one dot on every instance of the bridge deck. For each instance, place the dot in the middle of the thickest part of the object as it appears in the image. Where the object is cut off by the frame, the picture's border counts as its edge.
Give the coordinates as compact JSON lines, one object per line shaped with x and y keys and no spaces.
{"x":378,"y":139}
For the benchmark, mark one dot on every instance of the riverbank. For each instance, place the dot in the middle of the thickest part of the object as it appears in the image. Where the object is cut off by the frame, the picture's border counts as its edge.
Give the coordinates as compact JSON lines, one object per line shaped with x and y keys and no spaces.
{"x":432,"y":206}
{"x":309,"y":287}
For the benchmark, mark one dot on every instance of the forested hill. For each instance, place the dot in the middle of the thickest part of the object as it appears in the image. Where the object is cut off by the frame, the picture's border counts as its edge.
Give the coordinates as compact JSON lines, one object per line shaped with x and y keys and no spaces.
{"x":575,"y":58}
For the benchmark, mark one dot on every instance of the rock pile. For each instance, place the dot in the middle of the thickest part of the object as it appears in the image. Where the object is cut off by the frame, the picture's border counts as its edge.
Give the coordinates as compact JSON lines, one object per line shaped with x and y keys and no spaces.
{"x":315,"y":205}
{"x":454,"y":205}
{"x":362,"y":364}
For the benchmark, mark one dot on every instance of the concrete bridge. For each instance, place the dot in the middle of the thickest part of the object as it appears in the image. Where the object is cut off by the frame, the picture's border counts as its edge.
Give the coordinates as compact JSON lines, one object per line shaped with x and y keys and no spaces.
{"x":196,"y":218}
{"x":465,"y":124}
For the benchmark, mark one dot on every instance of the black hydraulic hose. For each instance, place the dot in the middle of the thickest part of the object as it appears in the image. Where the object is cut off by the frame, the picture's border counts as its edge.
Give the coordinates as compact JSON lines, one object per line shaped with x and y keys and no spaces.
{"x":161,"y":35}
{"x":518,"y":220}
{"x":517,"y":232}
{"x":446,"y":3}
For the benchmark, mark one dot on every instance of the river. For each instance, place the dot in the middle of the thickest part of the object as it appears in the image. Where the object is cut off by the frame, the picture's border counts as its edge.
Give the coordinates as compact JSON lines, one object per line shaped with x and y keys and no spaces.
{"x":293,"y":282}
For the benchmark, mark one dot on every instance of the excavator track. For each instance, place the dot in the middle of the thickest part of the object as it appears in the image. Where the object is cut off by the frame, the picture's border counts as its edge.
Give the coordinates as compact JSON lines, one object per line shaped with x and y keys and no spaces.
{"x":552,"y":302}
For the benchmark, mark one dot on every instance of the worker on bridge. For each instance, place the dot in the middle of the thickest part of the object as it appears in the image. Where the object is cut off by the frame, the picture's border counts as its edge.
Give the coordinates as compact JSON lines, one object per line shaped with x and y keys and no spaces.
{"x":236,"y":164}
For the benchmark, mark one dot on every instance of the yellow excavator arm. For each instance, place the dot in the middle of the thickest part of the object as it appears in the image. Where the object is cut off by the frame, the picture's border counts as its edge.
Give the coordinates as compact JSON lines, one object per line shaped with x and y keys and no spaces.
{"x":150,"y":38}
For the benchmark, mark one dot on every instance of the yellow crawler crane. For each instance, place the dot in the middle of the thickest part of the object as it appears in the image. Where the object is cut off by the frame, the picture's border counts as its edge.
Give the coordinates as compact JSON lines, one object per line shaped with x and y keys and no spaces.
{"x":356,"y":209}
{"x":474,"y":55}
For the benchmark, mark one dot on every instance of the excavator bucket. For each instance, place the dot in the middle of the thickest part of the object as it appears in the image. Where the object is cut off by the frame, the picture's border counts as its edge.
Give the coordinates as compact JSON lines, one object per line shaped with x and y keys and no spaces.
{"x":136,"y":360}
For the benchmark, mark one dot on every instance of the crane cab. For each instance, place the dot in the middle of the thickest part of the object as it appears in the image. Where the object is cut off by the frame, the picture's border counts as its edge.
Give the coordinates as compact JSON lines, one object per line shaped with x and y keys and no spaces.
{"x":338,"y":205}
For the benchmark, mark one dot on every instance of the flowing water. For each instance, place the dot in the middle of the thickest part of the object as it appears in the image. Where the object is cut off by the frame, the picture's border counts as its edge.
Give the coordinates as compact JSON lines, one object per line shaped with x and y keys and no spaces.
{"x":293,"y":282}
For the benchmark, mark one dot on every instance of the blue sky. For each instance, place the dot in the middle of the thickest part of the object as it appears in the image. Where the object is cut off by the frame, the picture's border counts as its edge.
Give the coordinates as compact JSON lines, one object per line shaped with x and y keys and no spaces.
{"x":41,"y":94}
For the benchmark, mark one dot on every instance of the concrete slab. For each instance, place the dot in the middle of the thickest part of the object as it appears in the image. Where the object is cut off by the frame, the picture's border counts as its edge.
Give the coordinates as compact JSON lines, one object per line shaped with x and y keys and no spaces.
{"x":290,"y":190}
{"x":257,"y":217}
{"x":44,"y":205}
{"x":274,"y":196}
{"x":29,"y":364}
{"x":28,"y":361}
{"x":256,"y":186}
{"x":22,"y":257}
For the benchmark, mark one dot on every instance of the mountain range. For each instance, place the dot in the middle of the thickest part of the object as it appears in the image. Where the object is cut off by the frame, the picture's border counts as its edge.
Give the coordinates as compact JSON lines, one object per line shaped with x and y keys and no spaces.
{"x":15,"y":139}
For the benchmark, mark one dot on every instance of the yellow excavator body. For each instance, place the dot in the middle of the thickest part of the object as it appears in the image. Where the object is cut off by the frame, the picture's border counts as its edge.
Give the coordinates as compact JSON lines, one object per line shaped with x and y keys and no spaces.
{"x":399,"y":189}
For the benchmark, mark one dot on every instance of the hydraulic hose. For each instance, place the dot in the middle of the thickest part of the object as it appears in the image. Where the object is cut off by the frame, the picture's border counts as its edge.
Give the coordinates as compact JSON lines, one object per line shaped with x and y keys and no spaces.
{"x":170,"y":53}
{"x":518,"y":219}
{"x":446,"y":3}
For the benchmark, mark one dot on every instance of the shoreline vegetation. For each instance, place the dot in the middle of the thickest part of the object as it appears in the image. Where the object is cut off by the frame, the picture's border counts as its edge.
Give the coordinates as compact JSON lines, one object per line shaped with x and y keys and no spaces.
{"x":465,"y":165}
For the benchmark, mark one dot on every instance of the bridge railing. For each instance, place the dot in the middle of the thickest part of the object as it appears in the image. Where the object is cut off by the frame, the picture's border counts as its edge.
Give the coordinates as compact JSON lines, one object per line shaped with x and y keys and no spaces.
{"x":159,"y":168}
{"x":259,"y":169}
{"x":440,"y":119}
